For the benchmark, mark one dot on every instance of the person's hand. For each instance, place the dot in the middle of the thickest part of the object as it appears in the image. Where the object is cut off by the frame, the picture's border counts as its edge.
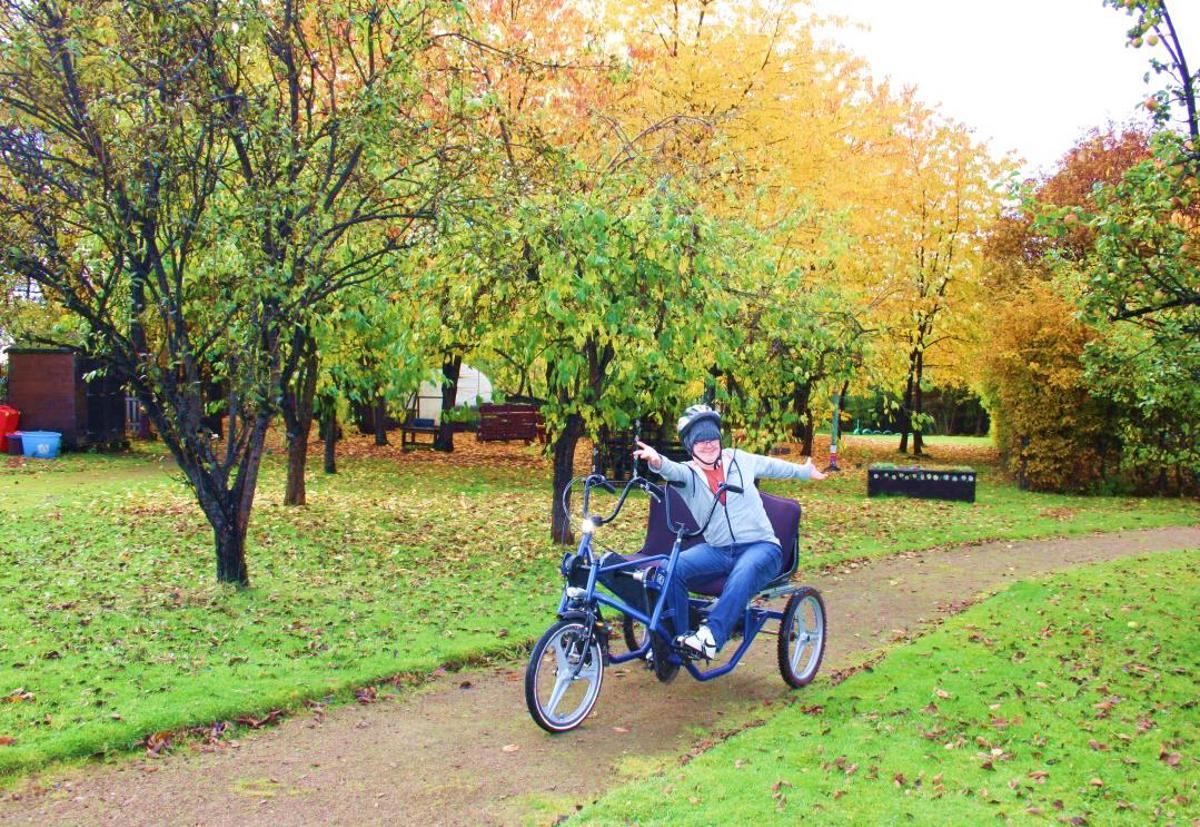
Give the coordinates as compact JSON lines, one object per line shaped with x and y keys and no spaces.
{"x":652,"y":457}
{"x":814,"y":474}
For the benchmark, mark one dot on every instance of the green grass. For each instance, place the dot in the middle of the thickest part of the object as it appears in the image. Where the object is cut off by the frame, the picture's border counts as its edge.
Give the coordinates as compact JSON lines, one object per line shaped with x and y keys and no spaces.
{"x":1071,"y":699}
{"x":841,"y":523}
{"x":112,"y":626}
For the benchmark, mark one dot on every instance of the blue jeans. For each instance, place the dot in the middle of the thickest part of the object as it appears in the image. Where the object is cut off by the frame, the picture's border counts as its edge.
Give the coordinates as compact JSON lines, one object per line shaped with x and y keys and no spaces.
{"x":748,"y":568}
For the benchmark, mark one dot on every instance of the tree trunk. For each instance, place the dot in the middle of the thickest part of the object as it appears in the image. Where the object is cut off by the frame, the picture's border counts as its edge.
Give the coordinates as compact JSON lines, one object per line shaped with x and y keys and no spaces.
{"x":297,"y":454}
{"x":564,"y":469}
{"x":380,"y":418}
{"x":224,"y":480}
{"x":329,"y":431}
{"x":231,"y":557}
{"x":803,"y":429}
{"x":918,"y":408}
{"x":228,"y":507}
{"x":907,"y":404}
{"x":444,"y":441}
{"x":298,"y":418}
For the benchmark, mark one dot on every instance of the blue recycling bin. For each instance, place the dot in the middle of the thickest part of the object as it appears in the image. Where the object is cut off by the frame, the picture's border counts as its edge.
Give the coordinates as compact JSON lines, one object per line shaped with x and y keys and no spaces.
{"x":41,"y":444}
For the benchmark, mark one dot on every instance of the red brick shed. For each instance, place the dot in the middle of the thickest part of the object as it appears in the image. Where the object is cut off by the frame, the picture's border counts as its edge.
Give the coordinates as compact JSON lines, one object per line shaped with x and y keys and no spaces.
{"x":48,"y":388}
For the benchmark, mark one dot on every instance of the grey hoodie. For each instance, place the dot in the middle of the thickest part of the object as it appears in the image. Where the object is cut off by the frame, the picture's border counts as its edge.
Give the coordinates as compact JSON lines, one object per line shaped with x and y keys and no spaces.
{"x":743,"y":519}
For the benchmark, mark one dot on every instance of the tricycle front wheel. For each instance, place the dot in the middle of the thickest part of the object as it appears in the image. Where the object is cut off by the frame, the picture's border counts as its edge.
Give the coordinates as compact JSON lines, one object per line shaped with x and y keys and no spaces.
{"x":563,"y":679}
{"x":802,"y":637}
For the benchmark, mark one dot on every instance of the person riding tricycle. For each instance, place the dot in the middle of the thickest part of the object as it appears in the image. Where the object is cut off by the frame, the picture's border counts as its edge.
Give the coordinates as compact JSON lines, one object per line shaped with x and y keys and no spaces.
{"x":749,"y":548}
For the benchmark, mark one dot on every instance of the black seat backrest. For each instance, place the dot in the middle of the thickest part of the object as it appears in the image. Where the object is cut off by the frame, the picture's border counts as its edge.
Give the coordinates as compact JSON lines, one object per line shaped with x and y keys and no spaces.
{"x":783,"y":513}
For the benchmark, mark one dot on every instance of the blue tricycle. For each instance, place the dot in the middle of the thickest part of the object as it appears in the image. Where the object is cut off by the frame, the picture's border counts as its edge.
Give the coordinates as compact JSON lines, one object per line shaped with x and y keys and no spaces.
{"x":566,"y":667}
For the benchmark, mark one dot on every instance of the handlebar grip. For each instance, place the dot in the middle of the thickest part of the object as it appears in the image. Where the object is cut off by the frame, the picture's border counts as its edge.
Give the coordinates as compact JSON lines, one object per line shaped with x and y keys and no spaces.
{"x":733,"y":489}
{"x":607,"y":486}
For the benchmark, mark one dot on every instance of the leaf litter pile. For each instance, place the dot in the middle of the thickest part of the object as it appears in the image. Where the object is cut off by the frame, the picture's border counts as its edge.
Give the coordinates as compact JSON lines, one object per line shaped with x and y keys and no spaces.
{"x":115,"y":636}
{"x":1070,"y":700}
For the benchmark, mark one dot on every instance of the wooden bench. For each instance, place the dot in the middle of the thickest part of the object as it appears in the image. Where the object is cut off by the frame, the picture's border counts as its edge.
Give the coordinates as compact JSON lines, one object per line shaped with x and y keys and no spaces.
{"x":503,"y":423}
{"x":413,"y":427}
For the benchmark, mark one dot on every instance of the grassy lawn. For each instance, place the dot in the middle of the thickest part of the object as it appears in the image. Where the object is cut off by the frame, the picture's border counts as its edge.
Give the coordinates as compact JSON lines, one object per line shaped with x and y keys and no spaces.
{"x":1071,"y":699}
{"x":113,"y":628}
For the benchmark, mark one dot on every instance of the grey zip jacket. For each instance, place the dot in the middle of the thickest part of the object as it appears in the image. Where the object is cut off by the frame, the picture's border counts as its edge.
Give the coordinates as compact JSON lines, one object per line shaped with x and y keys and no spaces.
{"x":742,"y":519}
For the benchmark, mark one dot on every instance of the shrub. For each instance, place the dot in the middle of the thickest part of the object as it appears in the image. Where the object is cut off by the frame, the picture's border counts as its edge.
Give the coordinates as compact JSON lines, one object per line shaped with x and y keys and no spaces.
{"x":1052,"y":433}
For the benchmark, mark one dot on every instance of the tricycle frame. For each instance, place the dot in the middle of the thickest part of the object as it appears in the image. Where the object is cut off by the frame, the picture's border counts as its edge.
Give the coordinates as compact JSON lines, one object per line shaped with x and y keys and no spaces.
{"x":578,"y":601}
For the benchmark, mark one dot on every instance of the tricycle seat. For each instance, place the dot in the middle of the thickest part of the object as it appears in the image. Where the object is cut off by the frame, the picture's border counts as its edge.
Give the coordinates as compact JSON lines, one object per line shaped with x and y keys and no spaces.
{"x":783,"y":513}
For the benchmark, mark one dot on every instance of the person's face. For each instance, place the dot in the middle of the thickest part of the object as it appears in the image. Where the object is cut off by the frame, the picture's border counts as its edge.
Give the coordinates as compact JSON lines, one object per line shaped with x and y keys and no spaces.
{"x":707,"y":451}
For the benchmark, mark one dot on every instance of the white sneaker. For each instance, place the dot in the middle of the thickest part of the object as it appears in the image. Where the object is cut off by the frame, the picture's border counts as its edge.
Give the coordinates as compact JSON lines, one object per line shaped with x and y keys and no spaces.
{"x":699,"y":643}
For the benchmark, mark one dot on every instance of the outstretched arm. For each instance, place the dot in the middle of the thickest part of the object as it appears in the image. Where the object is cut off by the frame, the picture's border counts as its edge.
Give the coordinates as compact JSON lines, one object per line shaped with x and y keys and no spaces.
{"x":782,"y":469}
{"x":659,"y":464}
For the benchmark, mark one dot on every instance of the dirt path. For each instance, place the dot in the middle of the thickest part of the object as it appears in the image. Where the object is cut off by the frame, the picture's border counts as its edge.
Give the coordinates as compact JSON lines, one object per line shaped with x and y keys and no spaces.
{"x":462,"y":750}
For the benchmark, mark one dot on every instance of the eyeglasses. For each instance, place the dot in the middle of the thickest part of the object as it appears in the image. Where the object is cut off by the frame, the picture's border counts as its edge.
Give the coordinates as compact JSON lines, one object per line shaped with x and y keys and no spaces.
{"x":707,"y":443}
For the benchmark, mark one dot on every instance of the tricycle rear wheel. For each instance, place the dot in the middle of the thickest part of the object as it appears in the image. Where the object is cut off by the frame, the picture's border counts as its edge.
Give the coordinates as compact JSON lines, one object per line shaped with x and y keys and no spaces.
{"x":564,"y":676}
{"x":802,"y":637}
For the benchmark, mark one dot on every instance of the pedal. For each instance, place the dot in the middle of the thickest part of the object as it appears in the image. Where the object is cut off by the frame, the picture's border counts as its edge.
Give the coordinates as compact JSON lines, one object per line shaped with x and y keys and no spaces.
{"x":688,"y":654}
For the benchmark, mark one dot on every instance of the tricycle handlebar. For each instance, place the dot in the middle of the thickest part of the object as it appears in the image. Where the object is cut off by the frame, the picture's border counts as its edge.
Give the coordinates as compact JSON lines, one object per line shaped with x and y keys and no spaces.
{"x":637,"y":481}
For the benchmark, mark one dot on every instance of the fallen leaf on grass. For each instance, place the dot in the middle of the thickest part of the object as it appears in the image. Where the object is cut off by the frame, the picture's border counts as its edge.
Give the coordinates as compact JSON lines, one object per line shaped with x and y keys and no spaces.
{"x":7,"y":740}
{"x":258,"y":723}
{"x":367,"y":695}
{"x":620,"y":729}
{"x":156,"y":742}
{"x":1171,"y":759}
{"x":511,"y":747}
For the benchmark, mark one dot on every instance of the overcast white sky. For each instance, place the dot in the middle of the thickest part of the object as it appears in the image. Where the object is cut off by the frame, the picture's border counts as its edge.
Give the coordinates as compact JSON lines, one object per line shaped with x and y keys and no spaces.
{"x":1029,"y":76}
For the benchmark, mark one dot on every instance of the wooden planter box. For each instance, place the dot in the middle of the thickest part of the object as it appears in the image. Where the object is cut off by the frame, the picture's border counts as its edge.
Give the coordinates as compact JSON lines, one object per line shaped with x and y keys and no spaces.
{"x":508,"y":422}
{"x":915,"y":481}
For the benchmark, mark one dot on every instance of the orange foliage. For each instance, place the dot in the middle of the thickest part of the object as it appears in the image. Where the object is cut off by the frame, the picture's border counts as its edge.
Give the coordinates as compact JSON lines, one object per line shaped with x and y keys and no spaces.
{"x":1097,"y":158}
{"x":1047,"y":425}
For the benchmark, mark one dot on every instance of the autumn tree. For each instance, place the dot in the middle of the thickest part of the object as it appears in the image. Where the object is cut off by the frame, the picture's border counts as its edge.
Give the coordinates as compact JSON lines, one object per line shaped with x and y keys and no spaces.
{"x":1054,"y":431}
{"x":946,"y":194}
{"x":186,"y":179}
{"x":1139,"y":284}
{"x":342,"y":154}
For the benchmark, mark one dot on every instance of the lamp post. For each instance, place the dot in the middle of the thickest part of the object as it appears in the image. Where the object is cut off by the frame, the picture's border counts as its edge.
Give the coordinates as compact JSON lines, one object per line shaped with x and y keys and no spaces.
{"x":833,"y":433}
